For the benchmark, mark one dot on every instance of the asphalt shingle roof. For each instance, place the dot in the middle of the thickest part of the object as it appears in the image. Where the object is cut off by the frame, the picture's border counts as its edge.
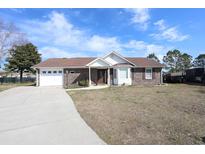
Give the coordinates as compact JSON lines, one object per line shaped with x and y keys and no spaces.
{"x":82,"y":62}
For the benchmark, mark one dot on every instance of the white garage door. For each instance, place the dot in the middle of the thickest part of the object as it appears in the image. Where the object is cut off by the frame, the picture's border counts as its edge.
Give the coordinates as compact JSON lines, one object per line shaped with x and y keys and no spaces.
{"x":51,"y":77}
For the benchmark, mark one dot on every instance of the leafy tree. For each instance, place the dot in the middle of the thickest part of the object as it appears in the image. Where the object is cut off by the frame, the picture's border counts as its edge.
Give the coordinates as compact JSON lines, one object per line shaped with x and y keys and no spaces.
{"x":199,"y":61}
{"x":153,"y":56}
{"x":186,"y":61}
{"x":22,"y":57}
{"x":177,"y":61}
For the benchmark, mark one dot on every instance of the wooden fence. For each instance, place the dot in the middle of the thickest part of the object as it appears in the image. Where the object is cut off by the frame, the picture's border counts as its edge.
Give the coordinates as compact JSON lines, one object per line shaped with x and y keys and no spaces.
{"x":189,"y":75}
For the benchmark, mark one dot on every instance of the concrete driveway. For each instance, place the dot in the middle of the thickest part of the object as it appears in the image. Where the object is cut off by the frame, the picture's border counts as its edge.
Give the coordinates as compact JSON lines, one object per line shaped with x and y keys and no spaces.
{"x":42,"y":115}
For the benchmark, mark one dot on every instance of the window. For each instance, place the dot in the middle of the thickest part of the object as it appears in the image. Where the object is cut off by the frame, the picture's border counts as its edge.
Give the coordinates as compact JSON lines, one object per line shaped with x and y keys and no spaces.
{"x":44,"y":72}
{"x":49,"y":72}
{"x":72,"y":72}
{"x":148,"y":73}
{"x":123,"y":73}
{"x":54,"y":72}
{"x":59,"y":72}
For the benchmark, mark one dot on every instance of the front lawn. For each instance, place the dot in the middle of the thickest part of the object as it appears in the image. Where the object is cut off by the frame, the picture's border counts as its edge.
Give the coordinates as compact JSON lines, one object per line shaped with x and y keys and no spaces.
{"x":173,"y":114}
{"x":6,"y":86}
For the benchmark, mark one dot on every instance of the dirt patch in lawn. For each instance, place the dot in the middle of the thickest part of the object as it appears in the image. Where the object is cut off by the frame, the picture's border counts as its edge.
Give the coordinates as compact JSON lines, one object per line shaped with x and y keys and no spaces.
{"x":173,"y":114}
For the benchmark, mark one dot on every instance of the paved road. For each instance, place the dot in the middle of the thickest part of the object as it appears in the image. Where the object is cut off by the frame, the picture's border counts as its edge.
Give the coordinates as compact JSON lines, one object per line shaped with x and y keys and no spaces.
{"x":42,"y":115}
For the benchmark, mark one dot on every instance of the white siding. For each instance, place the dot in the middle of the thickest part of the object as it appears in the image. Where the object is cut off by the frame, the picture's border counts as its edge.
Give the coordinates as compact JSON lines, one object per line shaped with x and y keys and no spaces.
{"x":99,"y":63}
{"x":113,"y":59}
{"x":123,"y":76}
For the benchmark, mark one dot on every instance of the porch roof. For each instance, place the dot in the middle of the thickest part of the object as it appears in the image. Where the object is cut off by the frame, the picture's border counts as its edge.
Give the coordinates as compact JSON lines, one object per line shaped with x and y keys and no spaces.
{"x":123,"y":65}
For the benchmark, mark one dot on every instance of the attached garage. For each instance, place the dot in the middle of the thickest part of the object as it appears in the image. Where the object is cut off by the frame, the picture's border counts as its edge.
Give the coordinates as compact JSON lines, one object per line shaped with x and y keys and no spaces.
{"x":51,"y":77}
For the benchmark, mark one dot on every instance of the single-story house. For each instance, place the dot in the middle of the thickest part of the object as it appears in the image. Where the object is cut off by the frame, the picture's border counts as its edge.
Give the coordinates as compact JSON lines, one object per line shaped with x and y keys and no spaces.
{"x":112,"y":69}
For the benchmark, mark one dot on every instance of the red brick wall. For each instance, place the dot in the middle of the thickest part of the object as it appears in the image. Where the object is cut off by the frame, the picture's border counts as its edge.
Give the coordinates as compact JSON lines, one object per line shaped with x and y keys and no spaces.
{"x":78,"y":75}
{"x":73,"y":78}
{"x":94,"y":76}
{"x":138,"y":76}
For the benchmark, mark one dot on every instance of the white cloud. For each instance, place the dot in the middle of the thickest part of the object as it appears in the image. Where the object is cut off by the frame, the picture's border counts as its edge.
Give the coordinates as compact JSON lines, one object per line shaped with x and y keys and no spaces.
{"x":161,"y":24}
{"x":54,"y":52}
{"x":56,"y":30}
{"x":168,"y":33}
{"x":59,"y":31}
{"x":100,"y":44}
{"x":140,"y":17}
{"x":60,"y":38}
{"x":49,"y":52}
{"x":139,"y":45}
{"x":147,"y":48}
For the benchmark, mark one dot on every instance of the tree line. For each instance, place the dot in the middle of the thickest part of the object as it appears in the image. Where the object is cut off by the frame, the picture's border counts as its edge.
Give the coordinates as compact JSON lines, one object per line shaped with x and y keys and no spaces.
{"x":177,"y":61}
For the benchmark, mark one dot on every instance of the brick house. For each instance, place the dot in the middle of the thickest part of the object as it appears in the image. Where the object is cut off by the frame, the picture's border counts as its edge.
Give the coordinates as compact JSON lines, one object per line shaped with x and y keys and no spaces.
{"x":112,"y":69}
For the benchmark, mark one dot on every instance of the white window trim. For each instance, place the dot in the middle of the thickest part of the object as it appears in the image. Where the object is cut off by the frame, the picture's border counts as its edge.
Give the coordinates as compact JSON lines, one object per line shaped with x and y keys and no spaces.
{"x":146,"y":77}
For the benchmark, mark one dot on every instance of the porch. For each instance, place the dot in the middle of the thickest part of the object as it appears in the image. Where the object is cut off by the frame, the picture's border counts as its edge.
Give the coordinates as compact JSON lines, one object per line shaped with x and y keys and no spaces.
{"x":95,"y":76}
{"x":91,"y":76}
{"x":100,"y":76}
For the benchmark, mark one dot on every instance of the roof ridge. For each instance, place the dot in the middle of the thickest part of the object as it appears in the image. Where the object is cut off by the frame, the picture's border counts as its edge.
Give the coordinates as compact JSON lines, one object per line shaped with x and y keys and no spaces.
{"x":71,"y":58}
{"x":82,"y":57}
{"x":138,"y":57}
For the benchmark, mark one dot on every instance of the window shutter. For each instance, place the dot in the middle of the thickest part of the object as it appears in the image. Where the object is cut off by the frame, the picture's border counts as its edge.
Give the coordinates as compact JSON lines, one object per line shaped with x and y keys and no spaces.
{"x":143,"y":73}
{"x":153,"y":73}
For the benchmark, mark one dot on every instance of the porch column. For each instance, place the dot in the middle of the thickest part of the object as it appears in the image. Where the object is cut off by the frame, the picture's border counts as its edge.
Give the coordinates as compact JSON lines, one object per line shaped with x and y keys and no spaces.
{"x":108,"y":76}
{"x":89,"y":78}
{"x":37,"y":77}
{"x":161,"y":76}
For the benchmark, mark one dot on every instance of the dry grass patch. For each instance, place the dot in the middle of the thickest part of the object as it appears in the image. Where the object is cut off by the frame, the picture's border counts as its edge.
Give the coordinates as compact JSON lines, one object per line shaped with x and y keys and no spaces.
{"x":6,"y":86}
{"x":173,"y":114}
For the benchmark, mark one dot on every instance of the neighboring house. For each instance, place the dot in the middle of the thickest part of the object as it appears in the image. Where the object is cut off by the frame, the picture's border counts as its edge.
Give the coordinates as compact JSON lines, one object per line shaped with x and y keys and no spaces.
{"x":112,"y":69}
{"x":2,"y":73}
{"x":15,"y":74}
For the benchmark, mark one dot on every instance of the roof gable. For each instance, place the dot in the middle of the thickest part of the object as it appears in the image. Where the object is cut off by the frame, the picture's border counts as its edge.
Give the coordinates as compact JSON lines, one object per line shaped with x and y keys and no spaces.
{"x":98,"y":63}
{"x":114,"y":58}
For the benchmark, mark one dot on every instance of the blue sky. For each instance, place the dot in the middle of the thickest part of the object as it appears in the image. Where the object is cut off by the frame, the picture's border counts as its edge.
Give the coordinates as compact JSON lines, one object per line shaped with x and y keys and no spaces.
{"x":95,"y":32}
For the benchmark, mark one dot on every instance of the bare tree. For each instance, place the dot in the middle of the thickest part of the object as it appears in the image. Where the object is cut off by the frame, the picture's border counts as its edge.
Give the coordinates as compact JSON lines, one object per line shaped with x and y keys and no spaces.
{"x":9,"y":36}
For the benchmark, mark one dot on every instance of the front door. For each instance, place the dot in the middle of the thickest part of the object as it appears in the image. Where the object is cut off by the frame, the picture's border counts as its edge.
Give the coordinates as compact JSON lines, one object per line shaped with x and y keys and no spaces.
{"x":101,"y":76}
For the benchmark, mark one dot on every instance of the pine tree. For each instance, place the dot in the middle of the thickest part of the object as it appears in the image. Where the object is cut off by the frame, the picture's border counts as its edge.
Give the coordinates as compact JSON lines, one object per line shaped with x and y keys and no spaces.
{"x":21,"y":58}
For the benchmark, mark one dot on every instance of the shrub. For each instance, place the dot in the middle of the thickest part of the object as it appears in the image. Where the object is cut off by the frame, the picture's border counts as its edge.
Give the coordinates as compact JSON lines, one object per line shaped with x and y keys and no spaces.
{"x":83,"y":83}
